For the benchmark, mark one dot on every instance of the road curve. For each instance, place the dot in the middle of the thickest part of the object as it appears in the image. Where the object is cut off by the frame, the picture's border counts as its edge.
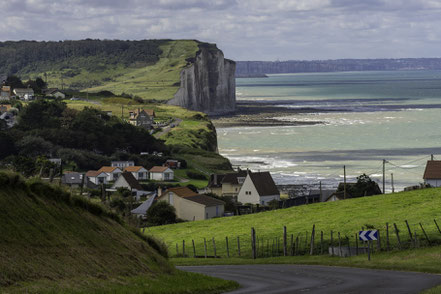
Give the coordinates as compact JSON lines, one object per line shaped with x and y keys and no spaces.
{"x":272,"y":279}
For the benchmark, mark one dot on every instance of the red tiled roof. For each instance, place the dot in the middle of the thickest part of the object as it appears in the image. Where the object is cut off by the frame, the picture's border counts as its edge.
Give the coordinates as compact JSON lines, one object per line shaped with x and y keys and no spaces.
{"x":133,"y":168}
{"x":158,"y":169}
{"x":433,"y":170}
{"x":108,"y":169}
{"x":93,"y":173}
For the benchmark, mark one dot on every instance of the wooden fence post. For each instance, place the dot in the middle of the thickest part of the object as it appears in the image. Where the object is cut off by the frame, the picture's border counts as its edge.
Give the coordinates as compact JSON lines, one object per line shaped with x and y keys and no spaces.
{"x":332,"y":244}
{"x":311,"y":246}
{"x":349,"y":246}
{"x":339,"y":244}
{"x":408,"y":229}
{"x":253,"y":242}
{"x":306,"y":241}
{"x":228,"y":247}
{"x":177,"y":249}
{"x":398,"y":236}
{"x":205,"y":247}
{"x":214,"y":248}
{"x":285,"y":251}
{"x":183,"y":248}
{"x":194,"y":249}
{"x":238,"y":245}
{"x":356,"y":244}
{"x":321,"y":242}
{"x":415,"y":240}
{"x":424,"y":232}
{"x":387,"y":237}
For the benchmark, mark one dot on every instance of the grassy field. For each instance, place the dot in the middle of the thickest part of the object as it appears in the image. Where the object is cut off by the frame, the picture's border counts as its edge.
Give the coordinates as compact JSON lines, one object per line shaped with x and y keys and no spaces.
{"x":346,"y":217}
{"x":54,"y":243}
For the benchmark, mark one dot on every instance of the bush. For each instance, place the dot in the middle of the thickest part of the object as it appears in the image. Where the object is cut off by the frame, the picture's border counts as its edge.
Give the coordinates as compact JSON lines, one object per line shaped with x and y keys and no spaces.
{"x":161,"y":213}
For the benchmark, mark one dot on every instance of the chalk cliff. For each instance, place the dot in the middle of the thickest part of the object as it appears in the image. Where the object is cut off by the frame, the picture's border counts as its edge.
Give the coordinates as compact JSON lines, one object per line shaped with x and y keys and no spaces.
{"x":208,"y":82}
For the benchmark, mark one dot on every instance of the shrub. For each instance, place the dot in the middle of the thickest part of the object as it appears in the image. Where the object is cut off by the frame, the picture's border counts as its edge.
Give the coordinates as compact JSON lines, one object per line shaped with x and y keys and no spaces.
{"x":196,"y":175}
{"x":161,"y":213}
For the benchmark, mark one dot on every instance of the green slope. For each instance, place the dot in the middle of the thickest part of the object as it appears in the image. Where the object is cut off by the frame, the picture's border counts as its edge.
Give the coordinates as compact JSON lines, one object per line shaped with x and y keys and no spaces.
{"x":346,"y":217}
{"x":149,"y":69}
{"x":51,"y":242}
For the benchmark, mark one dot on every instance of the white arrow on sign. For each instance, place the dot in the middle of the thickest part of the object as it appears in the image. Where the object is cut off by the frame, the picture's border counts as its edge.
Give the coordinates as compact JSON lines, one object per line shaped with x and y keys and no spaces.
{"x":368,"y":235}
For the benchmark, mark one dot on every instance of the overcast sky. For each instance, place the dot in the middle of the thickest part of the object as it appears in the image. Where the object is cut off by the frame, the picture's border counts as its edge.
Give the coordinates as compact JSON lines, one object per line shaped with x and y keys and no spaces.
{"x":243,"y":29}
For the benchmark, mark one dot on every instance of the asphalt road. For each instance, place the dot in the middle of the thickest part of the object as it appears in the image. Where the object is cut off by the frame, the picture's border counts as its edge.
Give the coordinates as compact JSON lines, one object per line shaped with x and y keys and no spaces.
{"x":271,"y":279}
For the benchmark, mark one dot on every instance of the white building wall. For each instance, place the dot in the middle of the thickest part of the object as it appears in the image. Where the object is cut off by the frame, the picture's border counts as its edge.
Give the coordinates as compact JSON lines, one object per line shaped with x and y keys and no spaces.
{"x":248,"y":193}
{"x":434,"y":183}
{"x":214,"y":211}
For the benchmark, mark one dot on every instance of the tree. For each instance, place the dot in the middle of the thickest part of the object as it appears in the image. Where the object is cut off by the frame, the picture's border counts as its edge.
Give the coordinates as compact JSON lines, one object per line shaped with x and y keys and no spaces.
{"x":7,"y":146}
{"x":365,"y":186}
{"x":161,"y":213}
{"x":14,"y":82}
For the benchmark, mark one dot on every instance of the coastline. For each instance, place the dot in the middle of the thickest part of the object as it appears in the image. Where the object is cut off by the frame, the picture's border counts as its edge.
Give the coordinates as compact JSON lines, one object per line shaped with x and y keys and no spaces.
{"x":258,"y":114}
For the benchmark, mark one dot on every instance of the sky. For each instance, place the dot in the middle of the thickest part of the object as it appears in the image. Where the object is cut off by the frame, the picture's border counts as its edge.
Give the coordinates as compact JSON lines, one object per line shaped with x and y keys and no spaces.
{"x":242,"y":29}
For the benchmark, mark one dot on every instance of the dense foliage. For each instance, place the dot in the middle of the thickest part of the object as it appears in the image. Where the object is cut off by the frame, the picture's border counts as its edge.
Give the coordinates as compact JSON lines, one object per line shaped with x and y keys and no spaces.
{"x":88,"y":139}
{"x":28,"y":56}
{"x":161,"y":213}
{"x":364,"y":186}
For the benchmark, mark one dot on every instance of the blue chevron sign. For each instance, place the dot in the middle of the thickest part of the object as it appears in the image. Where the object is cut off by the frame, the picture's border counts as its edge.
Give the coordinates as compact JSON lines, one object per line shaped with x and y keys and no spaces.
{"x":368,"y":235}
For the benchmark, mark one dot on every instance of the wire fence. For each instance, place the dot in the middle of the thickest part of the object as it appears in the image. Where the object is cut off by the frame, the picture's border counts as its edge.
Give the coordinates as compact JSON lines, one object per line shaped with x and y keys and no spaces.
{"x":392,"y":236}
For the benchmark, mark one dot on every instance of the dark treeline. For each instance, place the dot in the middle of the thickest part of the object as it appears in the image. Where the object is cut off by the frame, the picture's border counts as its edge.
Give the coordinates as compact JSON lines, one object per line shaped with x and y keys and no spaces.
{"x":28,"y":56}
{"x":87,"y":139}
{"x":255,"y":68}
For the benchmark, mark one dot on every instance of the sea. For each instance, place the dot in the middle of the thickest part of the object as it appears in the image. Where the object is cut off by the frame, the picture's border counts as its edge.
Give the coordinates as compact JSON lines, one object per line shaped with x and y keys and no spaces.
{"x":362,"y":119}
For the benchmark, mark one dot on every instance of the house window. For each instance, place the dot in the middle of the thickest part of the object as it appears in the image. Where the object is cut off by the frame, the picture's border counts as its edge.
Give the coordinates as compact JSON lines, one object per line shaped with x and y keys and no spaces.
{"x":140,"y":175}
{"x":170,"y":198}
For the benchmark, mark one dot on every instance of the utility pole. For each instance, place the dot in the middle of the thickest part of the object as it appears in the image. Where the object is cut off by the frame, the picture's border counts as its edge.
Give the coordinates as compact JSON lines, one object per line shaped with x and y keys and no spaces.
{"x":384,"y":176}
{"x":431,"y":157}
{"x":344,"y":185}
{"x":392,"y":181}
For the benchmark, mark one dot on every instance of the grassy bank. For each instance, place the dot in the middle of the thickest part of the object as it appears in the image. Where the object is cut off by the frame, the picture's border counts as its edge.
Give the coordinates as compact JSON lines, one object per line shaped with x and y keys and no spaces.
{"x":54,"y":243}
{"x":346,"y":217}
{"x":426,"y":260}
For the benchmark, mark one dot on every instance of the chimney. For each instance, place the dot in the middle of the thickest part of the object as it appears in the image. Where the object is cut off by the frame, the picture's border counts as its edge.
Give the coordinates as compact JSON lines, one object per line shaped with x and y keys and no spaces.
{"x":159,"y":191}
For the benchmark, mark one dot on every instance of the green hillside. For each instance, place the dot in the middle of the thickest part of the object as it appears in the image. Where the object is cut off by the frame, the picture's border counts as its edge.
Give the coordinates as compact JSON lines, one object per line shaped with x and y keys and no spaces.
{"x":346,"y":217}
{"x":148,"y":68}
{"x":51,"y":242}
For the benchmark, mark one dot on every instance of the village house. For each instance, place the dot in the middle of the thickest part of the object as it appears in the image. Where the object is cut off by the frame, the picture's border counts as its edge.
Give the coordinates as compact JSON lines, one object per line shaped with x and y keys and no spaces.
{"x":161,"y":173}
{"x":5,"y":93}
{"x":139,"y":172}
{"x":26,"y":94}
{"x":174,"y":164}
{"x":258,"y":188}
{"x":141,"y":118}
{"x":72,"y":179}
{"x":336,"y":196}
{"x":228,"y":184}
{"x":122,"y":163}
{"x":127,"y":180}
{"x":432,"y":173}
{"x":141,"y":210}
{"x":192,"y":206}
{"x":112,"y":172}
{"x":54,"y":92}
{"x":96,"y":177}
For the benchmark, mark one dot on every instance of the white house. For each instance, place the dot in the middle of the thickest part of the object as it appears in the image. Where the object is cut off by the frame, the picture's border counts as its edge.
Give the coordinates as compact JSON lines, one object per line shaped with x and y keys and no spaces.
{"x":54,"y":93}
{"x":24,"y":93}
{"x":432,"y":174}
{"x":122,"y":163}
{"x":127,"y":180}
{"x":112,"y":172}
{"x":139,"y":172}
{"x":258,"y":188}
{"x":161,"y":173}
{"x":192,"y":206}
{"x":97,"y":177}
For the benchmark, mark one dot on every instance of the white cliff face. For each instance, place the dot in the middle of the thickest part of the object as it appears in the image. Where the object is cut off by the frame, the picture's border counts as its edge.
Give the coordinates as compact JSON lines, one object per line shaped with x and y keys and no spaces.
{"x":209,"y":84}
